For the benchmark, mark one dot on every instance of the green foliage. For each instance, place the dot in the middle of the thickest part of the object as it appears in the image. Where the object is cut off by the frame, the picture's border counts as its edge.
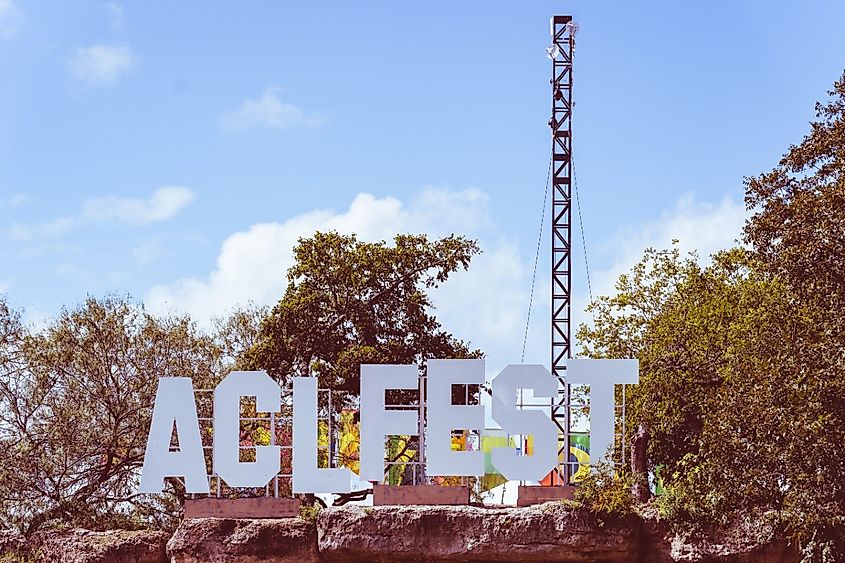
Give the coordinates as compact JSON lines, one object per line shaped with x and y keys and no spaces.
{"x":798,"y":235}
{"x":729,"y":408}
{"x":238,"y":332}
{"x":309,"y":512}
{"x":350,"y":302}
{"x":75,"y":404}
{"x":798,"y":227}
{"x":19,"y":557}
{"x":76,"y":396}
{"x":692,"y":503}
{"x":605,"y":493}
{"x":742,"y":375}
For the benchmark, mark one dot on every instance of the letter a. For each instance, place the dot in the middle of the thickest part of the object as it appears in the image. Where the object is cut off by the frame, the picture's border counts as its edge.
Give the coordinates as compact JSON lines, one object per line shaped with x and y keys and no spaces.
{"x":174,"y":404}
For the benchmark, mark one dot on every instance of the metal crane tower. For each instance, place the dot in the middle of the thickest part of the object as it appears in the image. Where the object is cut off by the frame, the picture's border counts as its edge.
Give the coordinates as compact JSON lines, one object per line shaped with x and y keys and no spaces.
{"x":560,"y":52}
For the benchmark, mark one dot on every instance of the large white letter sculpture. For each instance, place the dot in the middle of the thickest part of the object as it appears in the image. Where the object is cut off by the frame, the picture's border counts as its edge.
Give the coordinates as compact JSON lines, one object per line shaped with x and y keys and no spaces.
{"x":525,"y":422}
{"x":227,"y":429}
{"x":174,"y":404}
{"x":442,"y":417}
{"x":376,"y":422}
{"x":601,"y":376}
{"x":307,"y":477}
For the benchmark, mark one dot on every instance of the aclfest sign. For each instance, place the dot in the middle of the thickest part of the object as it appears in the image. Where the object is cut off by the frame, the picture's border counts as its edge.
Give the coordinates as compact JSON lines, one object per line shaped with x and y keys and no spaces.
{"x":175,"y":405}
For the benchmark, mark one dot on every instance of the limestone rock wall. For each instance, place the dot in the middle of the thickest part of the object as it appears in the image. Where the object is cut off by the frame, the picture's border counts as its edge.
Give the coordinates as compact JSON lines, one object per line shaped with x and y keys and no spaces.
{"x":549,"y":532}
{"x":84,"y":546}
{"x":207,"y":540}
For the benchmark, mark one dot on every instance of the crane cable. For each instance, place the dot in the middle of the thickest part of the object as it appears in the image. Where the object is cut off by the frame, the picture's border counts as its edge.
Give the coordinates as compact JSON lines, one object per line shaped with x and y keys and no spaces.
{"x":583,"y":234}
{"x":540,"y":241}
{"x":537,"y":257}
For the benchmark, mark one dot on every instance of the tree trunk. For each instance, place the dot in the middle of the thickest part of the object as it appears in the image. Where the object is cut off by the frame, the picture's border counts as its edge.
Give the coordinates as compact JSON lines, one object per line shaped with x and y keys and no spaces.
{"x":639,"y":463}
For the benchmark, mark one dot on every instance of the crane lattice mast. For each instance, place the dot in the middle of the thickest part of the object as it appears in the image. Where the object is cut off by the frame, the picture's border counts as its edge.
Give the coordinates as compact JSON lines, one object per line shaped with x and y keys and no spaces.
{"x":560,"y":52}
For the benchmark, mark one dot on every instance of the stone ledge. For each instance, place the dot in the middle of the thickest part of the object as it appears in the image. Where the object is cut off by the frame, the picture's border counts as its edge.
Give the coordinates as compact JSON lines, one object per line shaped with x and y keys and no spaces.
{"x":428,"y":495}
{"x":218,"y":540}
{"x":112,"y":546}
{"x":547,"y":532}
{"x":258,"y":507}
{"x":528,"y":495}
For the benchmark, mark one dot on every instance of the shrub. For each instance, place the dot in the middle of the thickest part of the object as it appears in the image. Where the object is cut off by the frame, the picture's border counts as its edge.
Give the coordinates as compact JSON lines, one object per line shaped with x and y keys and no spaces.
{"x":606,"y":493}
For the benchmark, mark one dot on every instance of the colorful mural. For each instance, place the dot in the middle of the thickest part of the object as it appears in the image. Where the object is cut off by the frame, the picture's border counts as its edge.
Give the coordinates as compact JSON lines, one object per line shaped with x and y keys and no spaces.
{"x":400,"y":448}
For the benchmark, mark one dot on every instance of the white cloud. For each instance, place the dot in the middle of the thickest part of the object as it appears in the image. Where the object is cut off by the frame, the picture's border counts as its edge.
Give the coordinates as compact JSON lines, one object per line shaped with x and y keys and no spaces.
{"x":101,"y":65}
{"x":486,"y":304}
{"x":4,"y":287}
{"x":50,"y":229}
{"x":15,"y":200}
{"x":10,"y":19}
{"x":57,"y":228}
{"x":164,"y":203}
{"x":267,"y":111}
{"x":698,"y":226}
{"x":37,"y":319}
{"x":252,"y":264}
{"x":150,"y":250}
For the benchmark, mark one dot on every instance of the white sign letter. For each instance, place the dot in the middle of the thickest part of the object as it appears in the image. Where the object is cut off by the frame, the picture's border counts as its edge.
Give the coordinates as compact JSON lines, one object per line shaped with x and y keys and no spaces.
{"x":443,"y":417}
{"x":174,"y":404}
{"x":525,"y":422}
{"x":601,"y":376}
{"x":307,"y":477}
{"x":227,"y":428}
{"x":376,"y":422}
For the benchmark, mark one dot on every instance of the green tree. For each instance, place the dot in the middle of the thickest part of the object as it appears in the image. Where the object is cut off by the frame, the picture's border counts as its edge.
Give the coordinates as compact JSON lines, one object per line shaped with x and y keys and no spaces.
{"x":729,"y":405}
{"x":742,"y":384}
{"x":75,"y":406}
{"x":798,"y":235}
{"x":350,"y":302}
{"x":798,"y":226}
{"x":237,"y":333}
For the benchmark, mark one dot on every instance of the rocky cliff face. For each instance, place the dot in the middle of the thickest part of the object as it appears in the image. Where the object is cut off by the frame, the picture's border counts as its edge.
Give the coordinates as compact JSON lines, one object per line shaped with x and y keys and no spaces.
{"x":205,"y":540}
{"x":84,"y":546}
{"x":548,"y":532}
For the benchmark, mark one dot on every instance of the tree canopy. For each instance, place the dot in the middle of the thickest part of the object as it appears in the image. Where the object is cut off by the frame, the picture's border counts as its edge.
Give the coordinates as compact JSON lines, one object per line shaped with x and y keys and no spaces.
{"x":350,"y":302}
{"x":76,"y":396}
{"x":75,"y":406}
{"x":743,"y":361}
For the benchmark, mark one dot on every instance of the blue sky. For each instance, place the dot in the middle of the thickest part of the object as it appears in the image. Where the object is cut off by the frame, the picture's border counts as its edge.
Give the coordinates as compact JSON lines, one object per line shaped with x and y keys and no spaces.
{"x":174,"y":151}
